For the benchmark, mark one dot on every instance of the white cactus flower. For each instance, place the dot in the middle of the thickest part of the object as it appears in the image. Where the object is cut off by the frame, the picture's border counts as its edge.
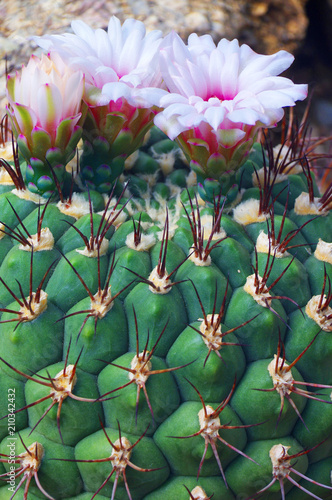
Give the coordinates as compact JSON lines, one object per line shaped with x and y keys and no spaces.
{"x":219,"y":96}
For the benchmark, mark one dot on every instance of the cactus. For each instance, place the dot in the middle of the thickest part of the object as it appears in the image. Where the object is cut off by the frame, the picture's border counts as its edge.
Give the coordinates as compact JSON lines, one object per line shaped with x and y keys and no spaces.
{"x":158,"y":345}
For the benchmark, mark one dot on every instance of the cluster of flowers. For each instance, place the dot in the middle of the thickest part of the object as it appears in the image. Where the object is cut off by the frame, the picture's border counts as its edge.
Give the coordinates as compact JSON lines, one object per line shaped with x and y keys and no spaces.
{"x":211,"y":98}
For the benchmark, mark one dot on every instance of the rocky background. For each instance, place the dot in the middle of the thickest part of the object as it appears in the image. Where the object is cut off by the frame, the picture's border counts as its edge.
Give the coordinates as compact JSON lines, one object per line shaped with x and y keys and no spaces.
{"x":302,"y":27}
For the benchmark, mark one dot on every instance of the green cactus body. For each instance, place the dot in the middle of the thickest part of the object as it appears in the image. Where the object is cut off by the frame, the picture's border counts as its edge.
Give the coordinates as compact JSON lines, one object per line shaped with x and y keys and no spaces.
{"x":154,"y":311}
{"x":100,"y":331}
{"x":304,"y":330}
{"x":20,"y":261}
{"x":264,"y":327}
{"x":319,"y":472}
{"x":293,"y":284}
{"x":51,"y":469}
{"x":78,"y":418}
{"x":260,"y":450}
{"x":145,"y":455}
{"x":164,"y":347}
{"x":6,"y":245}
{"x":317,"y":264}
{"x":252,"y":388}
{"x":65,"y":278}
{"x":34,"y":336}
{"x":19,"y":202}
{"x":183,"y":454}
{"x":163,"y":396}
{"x":321,"y":433}
{"x":219,"y":365}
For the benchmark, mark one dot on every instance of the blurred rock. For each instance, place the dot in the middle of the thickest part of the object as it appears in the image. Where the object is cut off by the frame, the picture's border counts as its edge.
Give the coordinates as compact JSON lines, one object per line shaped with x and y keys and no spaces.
{"x":266,"y":25}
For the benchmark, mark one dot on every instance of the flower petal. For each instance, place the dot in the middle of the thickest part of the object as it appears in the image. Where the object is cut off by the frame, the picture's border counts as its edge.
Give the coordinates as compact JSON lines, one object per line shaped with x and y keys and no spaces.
{"x":215,"y":116}
{"x":230,"y":137}
{"x":49,"y":107}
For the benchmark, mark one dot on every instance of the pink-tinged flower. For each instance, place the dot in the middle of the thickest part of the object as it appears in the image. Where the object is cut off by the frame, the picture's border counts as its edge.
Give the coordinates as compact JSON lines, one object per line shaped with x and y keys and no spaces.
{"x":219,"y":97}
{"x":45,"y":110}
{"x":122,"y":78}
